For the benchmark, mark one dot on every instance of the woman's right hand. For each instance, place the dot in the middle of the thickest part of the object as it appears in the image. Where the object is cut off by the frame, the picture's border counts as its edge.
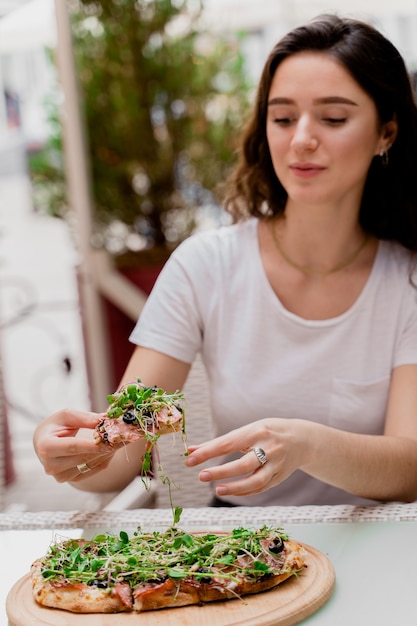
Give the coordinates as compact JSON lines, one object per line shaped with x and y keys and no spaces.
{"x":64,"y":441}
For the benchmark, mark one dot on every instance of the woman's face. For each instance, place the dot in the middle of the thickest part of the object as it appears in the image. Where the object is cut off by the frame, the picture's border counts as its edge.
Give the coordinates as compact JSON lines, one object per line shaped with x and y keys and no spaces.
{"x":322,"y":130}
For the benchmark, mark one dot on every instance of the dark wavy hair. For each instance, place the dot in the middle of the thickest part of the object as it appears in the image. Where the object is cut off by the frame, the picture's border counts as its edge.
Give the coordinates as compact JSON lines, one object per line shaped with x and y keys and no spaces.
{"x":389,"y":203}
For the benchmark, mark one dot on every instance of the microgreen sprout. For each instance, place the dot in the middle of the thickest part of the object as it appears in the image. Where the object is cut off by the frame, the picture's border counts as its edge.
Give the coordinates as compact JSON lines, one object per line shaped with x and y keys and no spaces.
{"x":142,"y":402}
{"x":156,"y":556}
{"x":140,"y":405}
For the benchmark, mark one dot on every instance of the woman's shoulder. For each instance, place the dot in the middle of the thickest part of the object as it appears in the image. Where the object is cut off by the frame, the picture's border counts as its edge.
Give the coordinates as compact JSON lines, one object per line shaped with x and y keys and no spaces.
{"x":219,"y":241}
{"x":396,"y":264}
{"x":396,"y":255}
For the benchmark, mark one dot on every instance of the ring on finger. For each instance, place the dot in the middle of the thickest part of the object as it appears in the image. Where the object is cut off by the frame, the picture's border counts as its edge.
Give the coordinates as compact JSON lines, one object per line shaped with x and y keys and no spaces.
{"x":83,"y":468}
{"x":260,"y":455}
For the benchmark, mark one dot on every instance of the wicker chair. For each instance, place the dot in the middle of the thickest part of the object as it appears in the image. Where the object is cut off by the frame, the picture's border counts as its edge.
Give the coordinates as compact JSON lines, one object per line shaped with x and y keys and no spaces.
{"x":187,"y":490}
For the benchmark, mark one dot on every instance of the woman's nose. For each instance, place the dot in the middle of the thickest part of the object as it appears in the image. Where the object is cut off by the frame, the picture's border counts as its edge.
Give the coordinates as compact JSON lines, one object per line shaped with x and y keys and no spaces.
{"x":304,"y":137}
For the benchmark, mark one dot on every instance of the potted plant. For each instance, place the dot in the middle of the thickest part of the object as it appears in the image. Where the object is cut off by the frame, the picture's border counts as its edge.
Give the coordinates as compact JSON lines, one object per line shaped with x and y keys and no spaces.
{"x":163,"y":103}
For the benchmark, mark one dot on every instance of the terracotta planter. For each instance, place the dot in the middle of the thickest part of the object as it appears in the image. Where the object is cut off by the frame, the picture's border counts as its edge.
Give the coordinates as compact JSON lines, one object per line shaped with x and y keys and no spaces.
{"x":142,"y":270}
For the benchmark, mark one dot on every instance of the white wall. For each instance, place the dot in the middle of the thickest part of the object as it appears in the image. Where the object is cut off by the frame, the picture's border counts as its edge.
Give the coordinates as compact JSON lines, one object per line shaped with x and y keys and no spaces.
{"x":266,"y":21}
{"x":25,"y":35}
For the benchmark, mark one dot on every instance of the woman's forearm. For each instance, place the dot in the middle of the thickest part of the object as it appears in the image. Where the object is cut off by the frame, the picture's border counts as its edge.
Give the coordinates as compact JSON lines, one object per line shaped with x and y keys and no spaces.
{"x":370,"y":466}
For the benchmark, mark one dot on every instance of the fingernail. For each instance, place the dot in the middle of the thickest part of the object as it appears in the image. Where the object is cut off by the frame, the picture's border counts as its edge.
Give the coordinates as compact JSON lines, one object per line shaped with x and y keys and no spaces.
{"x":204,"y":476}
{"x":190,"y":461}
{"x":221,"y":491}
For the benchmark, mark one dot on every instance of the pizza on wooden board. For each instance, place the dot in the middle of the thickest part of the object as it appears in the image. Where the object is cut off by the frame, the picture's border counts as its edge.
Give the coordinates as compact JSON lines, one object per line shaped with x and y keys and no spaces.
{"x":148,"y":571}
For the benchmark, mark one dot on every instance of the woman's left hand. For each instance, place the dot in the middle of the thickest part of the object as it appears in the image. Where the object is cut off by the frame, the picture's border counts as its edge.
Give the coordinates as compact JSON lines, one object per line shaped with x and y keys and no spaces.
{"x":284,"y":442}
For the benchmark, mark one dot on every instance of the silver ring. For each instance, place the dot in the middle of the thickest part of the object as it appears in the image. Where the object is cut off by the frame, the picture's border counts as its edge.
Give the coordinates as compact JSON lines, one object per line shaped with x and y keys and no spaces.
{"x":83,"y":468}
{"x":260,"y":455}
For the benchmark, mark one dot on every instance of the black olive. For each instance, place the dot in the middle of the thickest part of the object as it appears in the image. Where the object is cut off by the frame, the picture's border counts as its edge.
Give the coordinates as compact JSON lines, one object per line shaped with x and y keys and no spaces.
{"x":129,"y":417}
{"x":156,"y":581}
{"x":204,"y":579}
{"x":276,"y":546}
{"x":101,"y":584}
{"x":105,"y":437}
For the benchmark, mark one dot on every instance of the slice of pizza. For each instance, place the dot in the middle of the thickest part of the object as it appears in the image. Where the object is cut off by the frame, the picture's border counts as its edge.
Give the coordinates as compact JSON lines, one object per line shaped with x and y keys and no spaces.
{"x":241,"y":564}
{"x":150,"y":571}
{"x":140,"y":412}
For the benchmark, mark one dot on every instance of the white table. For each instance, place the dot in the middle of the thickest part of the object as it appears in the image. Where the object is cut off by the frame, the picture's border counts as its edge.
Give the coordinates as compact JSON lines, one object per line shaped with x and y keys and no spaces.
{"x":373,"y":550}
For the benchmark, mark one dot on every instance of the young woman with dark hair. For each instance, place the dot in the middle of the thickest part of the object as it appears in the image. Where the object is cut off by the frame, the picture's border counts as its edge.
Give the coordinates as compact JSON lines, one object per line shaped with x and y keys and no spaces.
{"x":304,"y":309}
{"x":389,"y":200}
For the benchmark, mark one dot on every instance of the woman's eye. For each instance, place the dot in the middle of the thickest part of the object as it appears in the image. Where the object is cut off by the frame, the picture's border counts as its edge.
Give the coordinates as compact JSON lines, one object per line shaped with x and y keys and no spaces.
{"x":335,"y":121}
{"x":283,"y":121}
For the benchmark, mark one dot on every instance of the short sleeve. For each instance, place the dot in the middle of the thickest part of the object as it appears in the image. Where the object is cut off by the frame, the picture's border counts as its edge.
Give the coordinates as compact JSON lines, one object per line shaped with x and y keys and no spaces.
{"x":406,"y":348}
{"x":171,"y":321}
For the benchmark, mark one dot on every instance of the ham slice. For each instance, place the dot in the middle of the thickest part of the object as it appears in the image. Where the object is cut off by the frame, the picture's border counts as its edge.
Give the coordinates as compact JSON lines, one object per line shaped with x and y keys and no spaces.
{"x":114,"y":430}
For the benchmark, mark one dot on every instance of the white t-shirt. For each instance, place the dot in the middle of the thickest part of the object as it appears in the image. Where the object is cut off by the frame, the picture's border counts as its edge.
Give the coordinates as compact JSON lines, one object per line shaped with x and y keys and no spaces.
{"x":213,"y":296}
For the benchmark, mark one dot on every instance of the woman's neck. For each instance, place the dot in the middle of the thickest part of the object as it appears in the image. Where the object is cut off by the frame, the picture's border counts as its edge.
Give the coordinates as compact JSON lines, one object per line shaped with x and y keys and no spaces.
{"x":317,"y":242}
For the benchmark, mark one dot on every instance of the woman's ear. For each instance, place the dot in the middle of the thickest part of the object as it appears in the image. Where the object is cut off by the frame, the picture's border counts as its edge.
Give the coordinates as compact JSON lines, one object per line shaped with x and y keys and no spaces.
{"x":389,"y":132}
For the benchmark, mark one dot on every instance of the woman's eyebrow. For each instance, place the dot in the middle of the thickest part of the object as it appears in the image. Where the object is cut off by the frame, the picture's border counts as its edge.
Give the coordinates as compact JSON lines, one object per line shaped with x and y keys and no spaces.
{"x":336,"y":100}
{"x":324,"y":100}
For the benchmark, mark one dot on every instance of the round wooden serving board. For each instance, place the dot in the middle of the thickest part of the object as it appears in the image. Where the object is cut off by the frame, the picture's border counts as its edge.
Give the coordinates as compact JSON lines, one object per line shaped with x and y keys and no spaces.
{"x":286,"y":605}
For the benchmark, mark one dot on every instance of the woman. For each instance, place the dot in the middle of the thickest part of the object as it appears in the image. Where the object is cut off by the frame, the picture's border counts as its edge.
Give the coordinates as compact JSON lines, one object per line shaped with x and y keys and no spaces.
{"x":304,"y":310}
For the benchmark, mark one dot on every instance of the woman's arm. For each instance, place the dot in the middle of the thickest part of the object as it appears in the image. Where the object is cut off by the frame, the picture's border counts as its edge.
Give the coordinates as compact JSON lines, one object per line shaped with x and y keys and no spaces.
{"x":65,"y":439}
{"x":382,"y":468}
{"x":377,"y":467}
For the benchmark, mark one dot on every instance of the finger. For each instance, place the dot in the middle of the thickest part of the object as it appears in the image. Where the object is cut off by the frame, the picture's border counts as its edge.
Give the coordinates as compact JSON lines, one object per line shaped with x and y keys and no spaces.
{"x":75,"y":419}
{"x":191,"y":449}
{"x":65,"y":424}
{"x":56,"y":447}
{"x":247,"y":464}
{"x":60,"y":464}
{"x":73,"y":474}
{"x":257,"y":482}
{"x":236,"y":441}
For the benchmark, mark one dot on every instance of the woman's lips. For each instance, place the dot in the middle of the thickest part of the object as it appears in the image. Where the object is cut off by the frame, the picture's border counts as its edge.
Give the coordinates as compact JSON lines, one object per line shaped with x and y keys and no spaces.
{"x":306,"y":170}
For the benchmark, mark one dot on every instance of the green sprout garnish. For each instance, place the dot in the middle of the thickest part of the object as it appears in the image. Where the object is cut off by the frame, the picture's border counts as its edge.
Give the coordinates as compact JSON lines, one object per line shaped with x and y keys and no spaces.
{"x":156,"y":556}
{"x":140,"y":405}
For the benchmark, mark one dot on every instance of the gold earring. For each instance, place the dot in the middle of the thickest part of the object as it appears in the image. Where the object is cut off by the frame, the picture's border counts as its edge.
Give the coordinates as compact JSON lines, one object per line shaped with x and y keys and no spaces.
{"x":383,"y":153}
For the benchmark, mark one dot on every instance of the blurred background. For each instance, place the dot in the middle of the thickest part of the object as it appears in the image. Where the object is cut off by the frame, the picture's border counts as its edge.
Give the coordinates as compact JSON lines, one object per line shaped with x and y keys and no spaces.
{"x":118,"y":124}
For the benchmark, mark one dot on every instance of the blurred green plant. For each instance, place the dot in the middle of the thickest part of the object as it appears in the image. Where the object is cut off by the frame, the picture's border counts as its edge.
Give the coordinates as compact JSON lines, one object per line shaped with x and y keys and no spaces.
{"x":164,"y":101}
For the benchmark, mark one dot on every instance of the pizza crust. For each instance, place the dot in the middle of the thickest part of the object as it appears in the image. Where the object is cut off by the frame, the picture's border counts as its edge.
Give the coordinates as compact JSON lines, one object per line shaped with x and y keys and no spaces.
{"x":170,"y":594}
{"x":79,"y":598}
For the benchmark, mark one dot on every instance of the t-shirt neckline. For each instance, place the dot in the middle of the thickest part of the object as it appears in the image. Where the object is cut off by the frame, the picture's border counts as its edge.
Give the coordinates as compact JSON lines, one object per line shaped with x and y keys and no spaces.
{"x":302,"y":320}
